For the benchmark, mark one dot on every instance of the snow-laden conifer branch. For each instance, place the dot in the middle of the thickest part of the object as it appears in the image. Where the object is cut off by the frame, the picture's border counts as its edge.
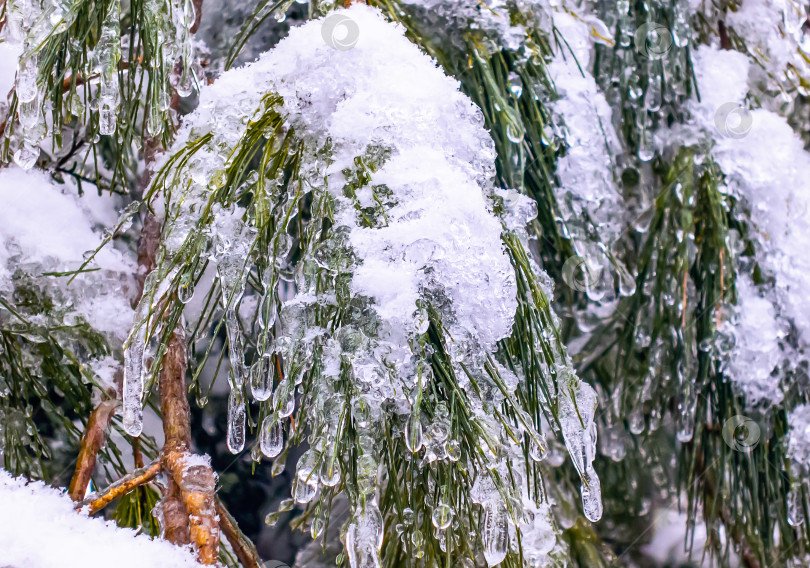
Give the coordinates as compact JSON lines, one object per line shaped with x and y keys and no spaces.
{"x":77,"y":63}
{"x":318,"y":162}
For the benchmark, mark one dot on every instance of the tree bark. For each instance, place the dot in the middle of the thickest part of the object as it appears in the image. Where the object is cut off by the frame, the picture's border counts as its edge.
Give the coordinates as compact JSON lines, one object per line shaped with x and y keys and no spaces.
{"x":189,"y":513}
{"x":142,"y":476}
{"x":93,"y":440}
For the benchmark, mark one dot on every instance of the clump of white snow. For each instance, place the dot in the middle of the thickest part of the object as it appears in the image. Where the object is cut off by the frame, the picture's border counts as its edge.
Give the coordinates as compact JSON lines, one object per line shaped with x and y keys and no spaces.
{"x":441,"y":231}
{"x":799,"y":441}
{"x":586,"y":174}
{"x":773,"y":33}
{"x":756,"y":353}
{"x":765,"y":166}
{"x":48,"y":228}
{"x":39,"y":528}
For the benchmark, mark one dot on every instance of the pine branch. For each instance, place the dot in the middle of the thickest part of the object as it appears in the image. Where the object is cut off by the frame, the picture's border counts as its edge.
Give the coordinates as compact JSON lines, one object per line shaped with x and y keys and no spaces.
{"x":92,"y":441}
{"x":141,"y":476}
{"x":243,"y":547}
{"x":189,"y":511}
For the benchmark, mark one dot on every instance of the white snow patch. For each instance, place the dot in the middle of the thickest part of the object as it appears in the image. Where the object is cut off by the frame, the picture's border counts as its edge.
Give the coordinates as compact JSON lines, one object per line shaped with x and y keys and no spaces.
{"x":772,"y":31}
{"x":799,"y":439}
{"x":586,"y":170}
{"x":756,"y":352}
{"x":39,"y":528}
{"x":385,"y":93}
{"x":45,"y":227}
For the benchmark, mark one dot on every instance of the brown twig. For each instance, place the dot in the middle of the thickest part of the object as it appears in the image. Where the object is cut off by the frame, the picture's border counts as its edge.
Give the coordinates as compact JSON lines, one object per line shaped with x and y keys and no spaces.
{"x":148,"y":244}
{"x":725,"y":41}
{"x":137,"y":454}
{"x":92,"y":441}
{"x":80,"y":80}
{"x":189,"y":506}
{"x":243,"y":547}
{"x":142,"y":476}
{"x":197,"y":483}
{"x":173,"y":409}
{"x":197,"y":15}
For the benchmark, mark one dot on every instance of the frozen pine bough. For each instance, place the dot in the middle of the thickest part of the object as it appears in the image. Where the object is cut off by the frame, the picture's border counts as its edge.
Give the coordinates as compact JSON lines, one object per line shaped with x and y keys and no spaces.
{"x":116,"y":81}
{"x":63,"y":319}
{"x":418,"y":357}
{"x":763,"y":162}
{"x":546,"y":116}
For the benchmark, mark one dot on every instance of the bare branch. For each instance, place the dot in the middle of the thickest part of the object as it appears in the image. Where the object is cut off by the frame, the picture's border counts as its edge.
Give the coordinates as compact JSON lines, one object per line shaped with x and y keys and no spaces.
{"x":93,"y":439}
{"x":142,"y":476}
{"x":195,"y":482}
{"x":243,"y":547}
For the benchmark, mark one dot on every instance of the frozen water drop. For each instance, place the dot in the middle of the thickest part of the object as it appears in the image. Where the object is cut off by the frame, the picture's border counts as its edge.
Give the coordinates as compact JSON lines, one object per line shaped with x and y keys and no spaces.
{"x":271,"y":437}
{"x":413,"y":433}
{"x":261,"y":377}
{"x":442,"y":516}
{"x":494,"y":532}
{"x":236,"y":421}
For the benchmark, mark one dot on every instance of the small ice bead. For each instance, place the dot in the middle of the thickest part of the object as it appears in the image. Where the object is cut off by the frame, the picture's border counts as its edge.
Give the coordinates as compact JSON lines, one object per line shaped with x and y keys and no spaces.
{"x":29,"y":114}
{"x":284,"y":399}
{"x":106,"y":117}
{"x":795,"y":508}
{"x":26,"y":156}
{"x":538,"y":448}
{"x":316,"y":529}
{"x":330,"y":471}
{"x":185,"y":293}
{"x":305,"y":491}
{"x":154,"y":121}
{"x":133,"y":416}
{"x":134,"y":383}
{"x":442,"y":516}
{"x":413,"y":433}
{"x":271,"y":438}
{"x":453,"y":450}
{"x":686,"y":426}
{"x":26,"y":85}
{"x":236,"y":350}
{"x":592,"y":498}
{"x":185,"y":84}
{"x":637,"y":421}
{"x":261,"y":378}
{"x":236,"y":421}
